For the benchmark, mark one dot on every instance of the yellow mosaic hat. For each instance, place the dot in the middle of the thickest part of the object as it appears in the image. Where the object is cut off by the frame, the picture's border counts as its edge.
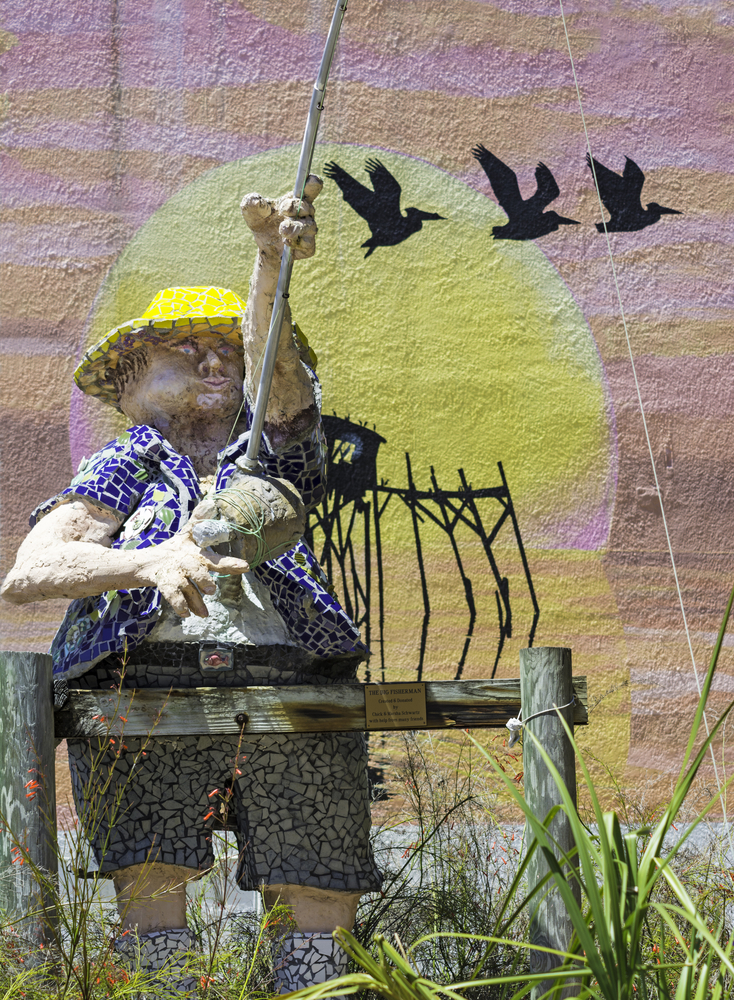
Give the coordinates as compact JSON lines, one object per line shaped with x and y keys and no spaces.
{"x":173,"y":311}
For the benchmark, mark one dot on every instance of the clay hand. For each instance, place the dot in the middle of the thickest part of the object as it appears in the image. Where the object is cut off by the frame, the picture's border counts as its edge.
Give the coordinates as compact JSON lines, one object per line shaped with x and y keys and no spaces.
{"x":178,"y":567}
{"x":287,"y":220}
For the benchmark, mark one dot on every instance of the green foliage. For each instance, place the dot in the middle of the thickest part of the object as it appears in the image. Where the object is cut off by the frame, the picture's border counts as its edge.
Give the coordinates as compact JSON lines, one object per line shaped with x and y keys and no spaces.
{"x":448,"y":867}
{"x":611,"y":955}
{"x":651,"y":925}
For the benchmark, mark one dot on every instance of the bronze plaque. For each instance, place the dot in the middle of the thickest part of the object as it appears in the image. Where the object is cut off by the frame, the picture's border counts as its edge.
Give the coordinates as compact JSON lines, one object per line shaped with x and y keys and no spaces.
{"x":395,"y":706}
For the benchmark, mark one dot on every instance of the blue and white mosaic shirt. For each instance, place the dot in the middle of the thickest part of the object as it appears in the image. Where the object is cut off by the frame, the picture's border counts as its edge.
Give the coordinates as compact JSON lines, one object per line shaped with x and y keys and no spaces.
{"x":144,"y":482}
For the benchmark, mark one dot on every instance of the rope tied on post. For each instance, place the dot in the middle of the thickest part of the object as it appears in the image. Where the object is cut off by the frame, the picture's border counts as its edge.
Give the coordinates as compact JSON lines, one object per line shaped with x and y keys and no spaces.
{"x":516,"y":725}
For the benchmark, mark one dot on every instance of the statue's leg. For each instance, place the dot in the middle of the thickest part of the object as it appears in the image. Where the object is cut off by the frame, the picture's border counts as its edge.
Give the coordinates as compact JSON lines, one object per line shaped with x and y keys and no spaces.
{"x":311,"y":955}
{"x":152,"y":896}
{"x":141,"y":805}
{"x":315,"y":910}
{"x":151,"y":900}
{"x":303,"y":821}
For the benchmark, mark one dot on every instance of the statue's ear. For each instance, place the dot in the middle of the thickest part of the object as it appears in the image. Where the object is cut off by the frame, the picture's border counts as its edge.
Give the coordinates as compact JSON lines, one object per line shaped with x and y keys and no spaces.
{"x":128,"y":370}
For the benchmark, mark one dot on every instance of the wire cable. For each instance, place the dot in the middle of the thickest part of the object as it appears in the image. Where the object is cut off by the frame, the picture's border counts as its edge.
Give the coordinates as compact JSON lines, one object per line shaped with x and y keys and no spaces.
{"x":516,"y":725}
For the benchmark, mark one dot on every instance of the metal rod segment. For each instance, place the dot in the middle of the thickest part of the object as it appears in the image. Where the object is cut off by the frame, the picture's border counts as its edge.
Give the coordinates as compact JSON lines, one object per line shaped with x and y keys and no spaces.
{"x":286,"y":265}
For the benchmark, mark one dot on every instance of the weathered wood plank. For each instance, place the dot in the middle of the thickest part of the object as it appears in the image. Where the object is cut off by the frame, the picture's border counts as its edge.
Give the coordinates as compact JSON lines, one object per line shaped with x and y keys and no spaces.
{"x":302,"y":708}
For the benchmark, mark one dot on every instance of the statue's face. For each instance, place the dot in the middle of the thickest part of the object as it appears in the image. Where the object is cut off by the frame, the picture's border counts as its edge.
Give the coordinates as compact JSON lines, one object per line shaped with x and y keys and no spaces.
{"x":186,"y":378}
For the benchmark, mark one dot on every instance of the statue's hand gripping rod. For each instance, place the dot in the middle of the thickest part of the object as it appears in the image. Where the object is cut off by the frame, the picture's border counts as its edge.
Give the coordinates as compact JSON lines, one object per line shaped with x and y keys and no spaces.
{"x":250,"y":461}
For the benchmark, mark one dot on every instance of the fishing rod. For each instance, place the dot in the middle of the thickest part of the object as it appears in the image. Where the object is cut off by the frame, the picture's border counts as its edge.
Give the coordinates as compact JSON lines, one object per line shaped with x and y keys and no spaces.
{"x":250,"y":461}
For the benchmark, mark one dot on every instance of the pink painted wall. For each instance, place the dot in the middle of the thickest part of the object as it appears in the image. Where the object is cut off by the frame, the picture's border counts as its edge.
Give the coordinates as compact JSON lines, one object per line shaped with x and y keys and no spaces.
{"x":111,"y":109}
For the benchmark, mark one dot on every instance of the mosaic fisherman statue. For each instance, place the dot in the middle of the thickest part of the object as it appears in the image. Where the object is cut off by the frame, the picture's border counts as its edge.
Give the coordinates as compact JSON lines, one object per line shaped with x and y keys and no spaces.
{"x":129,"y":541}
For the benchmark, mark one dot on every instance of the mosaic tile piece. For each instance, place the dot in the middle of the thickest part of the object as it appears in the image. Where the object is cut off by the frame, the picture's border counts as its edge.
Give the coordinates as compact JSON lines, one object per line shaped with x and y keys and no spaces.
{"x":158,"y":951}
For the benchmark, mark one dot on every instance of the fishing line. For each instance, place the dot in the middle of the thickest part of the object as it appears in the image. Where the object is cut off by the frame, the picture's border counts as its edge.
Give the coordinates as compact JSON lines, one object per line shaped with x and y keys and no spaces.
{"x":642,"y":414}
{"x":252,"y":512}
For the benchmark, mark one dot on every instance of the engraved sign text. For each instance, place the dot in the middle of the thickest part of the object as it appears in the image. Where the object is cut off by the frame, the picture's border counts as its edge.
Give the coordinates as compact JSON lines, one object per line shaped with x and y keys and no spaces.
{"x":395,"y":706}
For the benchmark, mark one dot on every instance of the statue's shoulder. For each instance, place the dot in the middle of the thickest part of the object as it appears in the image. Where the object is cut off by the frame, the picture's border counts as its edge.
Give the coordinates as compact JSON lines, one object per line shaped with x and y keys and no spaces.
{"x":140,"y":441}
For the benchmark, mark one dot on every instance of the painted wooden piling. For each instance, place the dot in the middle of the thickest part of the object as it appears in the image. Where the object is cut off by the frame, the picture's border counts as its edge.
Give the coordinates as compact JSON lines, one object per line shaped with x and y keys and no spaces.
{"x":28,"y":810}
{"x":545,"y":680}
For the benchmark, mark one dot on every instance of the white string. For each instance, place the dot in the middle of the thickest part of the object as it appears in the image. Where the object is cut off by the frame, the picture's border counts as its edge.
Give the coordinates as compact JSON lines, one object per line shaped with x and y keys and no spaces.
{"x":642,"y":412}
{"x":516,"y":725}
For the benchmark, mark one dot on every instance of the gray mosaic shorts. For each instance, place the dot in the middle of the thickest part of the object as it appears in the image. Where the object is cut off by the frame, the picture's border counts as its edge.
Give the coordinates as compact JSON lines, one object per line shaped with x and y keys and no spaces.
{"x":298,"y":803}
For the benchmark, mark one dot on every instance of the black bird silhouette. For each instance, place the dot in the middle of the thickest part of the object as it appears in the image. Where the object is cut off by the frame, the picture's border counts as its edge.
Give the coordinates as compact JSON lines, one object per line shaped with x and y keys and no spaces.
{"x":526,"y":218}
{"x":621,"y":197}
{"x":379,"y":207}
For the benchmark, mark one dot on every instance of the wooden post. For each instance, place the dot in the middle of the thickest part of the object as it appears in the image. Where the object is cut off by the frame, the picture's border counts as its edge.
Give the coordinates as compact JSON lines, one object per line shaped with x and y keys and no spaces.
{"x":28,"y":819}
{"x":545,"y":680}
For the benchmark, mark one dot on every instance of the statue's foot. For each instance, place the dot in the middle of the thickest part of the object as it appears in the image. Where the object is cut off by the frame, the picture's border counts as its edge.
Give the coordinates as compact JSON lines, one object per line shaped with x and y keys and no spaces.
{"x":162,"y":956}
{"x":306,"y":959}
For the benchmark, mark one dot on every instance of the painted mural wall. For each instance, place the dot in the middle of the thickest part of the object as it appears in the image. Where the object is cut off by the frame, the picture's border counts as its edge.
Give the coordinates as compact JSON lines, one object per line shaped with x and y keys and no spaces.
{"x":464,"y":306}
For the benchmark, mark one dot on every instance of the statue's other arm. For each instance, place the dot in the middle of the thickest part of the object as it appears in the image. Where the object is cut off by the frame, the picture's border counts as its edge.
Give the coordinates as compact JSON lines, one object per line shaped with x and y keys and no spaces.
{"x":68,"y":554}
{"x":292,"y":409}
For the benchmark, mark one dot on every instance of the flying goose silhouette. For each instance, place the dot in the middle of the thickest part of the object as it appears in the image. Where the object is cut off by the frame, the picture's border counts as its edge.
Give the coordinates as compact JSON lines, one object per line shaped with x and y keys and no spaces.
{"x":621,"y":196}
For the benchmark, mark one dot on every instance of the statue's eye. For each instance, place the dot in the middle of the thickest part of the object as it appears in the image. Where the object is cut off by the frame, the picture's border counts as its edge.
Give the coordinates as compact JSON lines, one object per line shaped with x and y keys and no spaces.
{"x":225,"y":349}
{"x":185,"y":348}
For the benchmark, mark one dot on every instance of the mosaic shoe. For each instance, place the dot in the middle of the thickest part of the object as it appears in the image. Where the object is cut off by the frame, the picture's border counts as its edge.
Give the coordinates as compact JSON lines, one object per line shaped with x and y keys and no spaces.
{"x":161,"y":950}
{"x":306,"y":959}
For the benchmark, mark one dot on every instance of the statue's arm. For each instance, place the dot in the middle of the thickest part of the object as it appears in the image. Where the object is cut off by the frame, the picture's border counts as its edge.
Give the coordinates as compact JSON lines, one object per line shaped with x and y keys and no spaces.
{"x":292,"y":408}
{"x":68,"y":554}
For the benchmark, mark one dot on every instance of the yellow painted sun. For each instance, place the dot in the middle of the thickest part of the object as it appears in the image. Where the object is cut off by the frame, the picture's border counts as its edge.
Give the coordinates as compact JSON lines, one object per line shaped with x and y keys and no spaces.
{"x":461,"y":350}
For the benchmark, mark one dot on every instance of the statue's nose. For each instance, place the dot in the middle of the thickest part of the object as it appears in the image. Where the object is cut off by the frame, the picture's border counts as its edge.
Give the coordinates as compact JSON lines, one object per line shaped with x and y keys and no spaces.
{"x":211,"y":363}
